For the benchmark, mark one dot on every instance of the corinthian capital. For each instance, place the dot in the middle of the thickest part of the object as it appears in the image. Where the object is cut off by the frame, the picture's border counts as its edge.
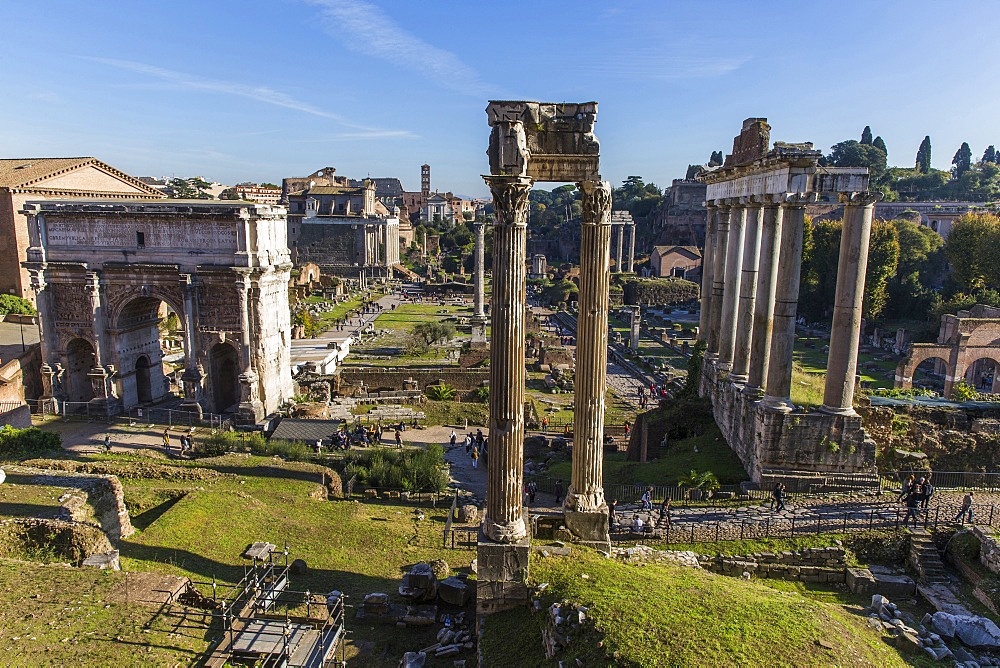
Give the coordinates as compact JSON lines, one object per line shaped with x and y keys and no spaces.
{"x":510,"y":199}
{"x":596,"y":201}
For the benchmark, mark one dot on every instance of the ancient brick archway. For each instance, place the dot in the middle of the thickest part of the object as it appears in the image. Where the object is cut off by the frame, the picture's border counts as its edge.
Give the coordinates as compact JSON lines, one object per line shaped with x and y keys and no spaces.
{"x":963,"y":340}
{"x":103,"y":270}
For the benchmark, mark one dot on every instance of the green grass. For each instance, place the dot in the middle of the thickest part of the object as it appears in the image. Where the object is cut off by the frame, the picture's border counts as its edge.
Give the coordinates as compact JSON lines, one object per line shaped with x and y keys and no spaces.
{"x":742,"y":547}
{"x":665,"y":615}
{"x":713,"y":455}
{"x":27,"y":500}
{"x":58,"y":615}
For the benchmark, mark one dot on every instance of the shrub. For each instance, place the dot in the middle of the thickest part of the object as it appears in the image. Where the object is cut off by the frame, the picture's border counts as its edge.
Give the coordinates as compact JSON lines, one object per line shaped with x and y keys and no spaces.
{"x":482,"y":393}
{"x":411,"y":470}
{"x":15,"y":304}
{"x":27,"y":443}
{"x":442,"y":392}
{"x":964,"y":392}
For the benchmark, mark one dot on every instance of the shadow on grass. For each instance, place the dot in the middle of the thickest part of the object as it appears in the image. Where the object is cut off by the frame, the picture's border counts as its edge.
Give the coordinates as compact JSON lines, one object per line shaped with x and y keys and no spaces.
{"x":270,"y":472}
{"x":29,"y":510}
{"x":143,"y":520}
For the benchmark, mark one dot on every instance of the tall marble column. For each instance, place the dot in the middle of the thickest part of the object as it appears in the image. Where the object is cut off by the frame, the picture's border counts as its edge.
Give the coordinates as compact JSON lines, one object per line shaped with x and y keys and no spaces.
{"x":586,"y":510}
{"x":504,"y":521}
{"x":748,"y":294}
{"x":631,"y":248}
{"x":842,"y":364}
{"x":621,"y":241}
{"x":719,"y":254}
{"x":48,"y":403}
{"x":479,"y":289}
{"x":192,"y":374}
{"x":705,"y":315}
{"x":251,"y":410}
{"x":777,"y":396}
{"x":105,"y":399}
{"x":763,"y":318}
{"x":731,"y":292}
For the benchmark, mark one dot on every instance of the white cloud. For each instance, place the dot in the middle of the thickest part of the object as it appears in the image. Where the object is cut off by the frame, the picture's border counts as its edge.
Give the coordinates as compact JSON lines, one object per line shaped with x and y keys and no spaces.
{"x":258,"y":93}
{"x":363,"y":27}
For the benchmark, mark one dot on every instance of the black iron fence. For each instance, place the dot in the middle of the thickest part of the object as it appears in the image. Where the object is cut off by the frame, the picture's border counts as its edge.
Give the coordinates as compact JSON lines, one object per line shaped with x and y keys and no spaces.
{"x":989,"y":482}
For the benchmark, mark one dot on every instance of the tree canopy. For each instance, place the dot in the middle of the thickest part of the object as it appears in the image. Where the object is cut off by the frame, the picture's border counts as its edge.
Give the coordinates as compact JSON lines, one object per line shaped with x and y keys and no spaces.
{"x":923,"y":164}
{"x":962,"y":161}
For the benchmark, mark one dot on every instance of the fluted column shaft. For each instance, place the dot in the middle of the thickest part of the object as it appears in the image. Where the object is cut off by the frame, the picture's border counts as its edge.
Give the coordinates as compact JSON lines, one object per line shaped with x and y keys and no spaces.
{"x":631,"y":248}
{"x":748,"y":294}
{"x":586,"y":491}
{"x":763,"y":317}
{"x":504,"y":521}
{"x":718,"y":278}
{"x":707,"y":267}
{"x":731,"y":291}
{"x":479,"y":297}
{"x":779,"y":368}
{"x":842,"y":364}
{"x":621,"y":242}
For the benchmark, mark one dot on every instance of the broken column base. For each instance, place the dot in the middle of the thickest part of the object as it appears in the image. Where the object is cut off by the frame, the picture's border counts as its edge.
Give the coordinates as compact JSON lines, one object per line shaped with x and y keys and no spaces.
{"x":501,"y":575}
{"x":478,"y":329}
{"x":590,"y":528}
{"x":250,"y":412}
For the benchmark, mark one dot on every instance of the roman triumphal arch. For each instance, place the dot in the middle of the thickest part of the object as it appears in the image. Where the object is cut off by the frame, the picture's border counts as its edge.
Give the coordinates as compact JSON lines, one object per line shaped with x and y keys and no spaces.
{"x":108,"y":275}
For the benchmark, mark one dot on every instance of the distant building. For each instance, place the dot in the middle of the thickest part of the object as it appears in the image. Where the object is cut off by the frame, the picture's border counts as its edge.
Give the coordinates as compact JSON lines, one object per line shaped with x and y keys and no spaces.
{"x":343,"y":230}
{"x":676,"y":262}
{"x":321,"y":177}
{"x":681,"y":218}
{"x":254,"y":193}
{"x":24,"y":179}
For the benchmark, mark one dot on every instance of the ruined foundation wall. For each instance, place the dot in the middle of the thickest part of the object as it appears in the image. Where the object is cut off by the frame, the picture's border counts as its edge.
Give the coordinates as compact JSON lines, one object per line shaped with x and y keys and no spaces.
{"x":392,"y":379}
{"x":808,"y":442}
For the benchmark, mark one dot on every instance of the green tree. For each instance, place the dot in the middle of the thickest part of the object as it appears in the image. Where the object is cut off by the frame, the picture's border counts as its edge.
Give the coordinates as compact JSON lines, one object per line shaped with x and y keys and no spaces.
{"x":883,"y":260}
{"x":561,"y":291}
{"x":970,"y":249}
{"x":855,"y":154}
{"x":962,"y":160}
{"x":880,"y":144}
{"x":866,"y":135}
{"x":191,"y":188}
{"x":923,"y":164}
{"x":921,"y":263}
{"x":15,"y":304}
{"x":432,"y":332}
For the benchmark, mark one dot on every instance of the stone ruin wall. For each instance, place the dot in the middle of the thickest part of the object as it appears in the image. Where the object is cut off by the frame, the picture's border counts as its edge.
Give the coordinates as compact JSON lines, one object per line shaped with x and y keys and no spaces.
{"x":766,"y":440}
{"x":376,"y":379}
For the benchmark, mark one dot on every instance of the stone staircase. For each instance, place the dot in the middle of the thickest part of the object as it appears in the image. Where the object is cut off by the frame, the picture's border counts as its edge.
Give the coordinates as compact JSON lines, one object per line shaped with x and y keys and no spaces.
{"x":926,"y":560}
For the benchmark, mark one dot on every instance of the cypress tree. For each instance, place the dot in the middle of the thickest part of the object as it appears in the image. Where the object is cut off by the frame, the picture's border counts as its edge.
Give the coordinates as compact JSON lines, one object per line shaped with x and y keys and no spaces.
{"x":880,"y":143}
{"x":990,"y":155}
{"x":866,"y":135}
{"x":962,"y":160}
{"x":924,"y":156}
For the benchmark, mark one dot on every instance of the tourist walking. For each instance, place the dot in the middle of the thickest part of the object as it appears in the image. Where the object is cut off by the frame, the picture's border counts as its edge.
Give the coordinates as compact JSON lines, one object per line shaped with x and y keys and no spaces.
{"x":399,"y":438}
{"x":779,"y":498}
{"x":545,"y":425}
{"x":613,"y":512}
{"x":928,"y":492}
{"x":453,"y":439}
{"x":906,"y":489}
{"x":647,"y":499}
{"x":468,"y":444}
{"x":665,"y":510}
{"x":558,"y":491}
{"x":912,"y":505}
{"x":475,"y":457}
{"x":532,"y":490}
{"x":966,"y":510}
{"x":166,"y":440}
{"x":107,"y":443}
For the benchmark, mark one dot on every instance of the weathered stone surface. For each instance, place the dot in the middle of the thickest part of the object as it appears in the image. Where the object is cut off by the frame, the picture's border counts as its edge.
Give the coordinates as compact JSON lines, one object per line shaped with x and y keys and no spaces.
{"x":454,"y":590}
{"x":974,"y":631}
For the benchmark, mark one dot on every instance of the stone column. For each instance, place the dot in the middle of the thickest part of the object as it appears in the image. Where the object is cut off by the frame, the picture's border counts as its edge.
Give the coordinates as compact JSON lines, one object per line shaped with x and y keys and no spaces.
{"x":192,"y":375}
{"x":705,"y":315}
{"x":105,"y":401}
{"x":731,"y":292}
{"x":479,"y":283}
{"x":621,"y":241}
{"x":719,"y":252}
{"x":631,"y":248}
{"x":842,"y":363}
{"x":250,"y":410}
{"x":748,"y":294}
{"x":504,"y":521}
{"x":777,"y":396}
{"x":763,"y":318}
{"x":48,"y":403}
{"x":586,"y":510}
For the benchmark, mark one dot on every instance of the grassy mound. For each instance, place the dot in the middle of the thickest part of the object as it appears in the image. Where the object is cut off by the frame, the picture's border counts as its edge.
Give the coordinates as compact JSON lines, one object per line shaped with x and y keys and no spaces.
{"x":660,"y":615}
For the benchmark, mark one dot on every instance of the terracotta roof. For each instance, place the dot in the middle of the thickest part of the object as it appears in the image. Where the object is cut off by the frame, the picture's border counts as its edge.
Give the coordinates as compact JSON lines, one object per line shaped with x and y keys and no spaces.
{"x":26,"y":172}
{"x":334,"y":190}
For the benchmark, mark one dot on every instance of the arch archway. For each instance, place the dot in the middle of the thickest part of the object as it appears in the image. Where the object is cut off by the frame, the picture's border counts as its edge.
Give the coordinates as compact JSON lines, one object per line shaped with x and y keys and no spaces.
{"x":982,"y":374}
{"x":143,"y":380}
{"x":224,"y":377}
{"x":930,"y":373}
{"x":143,"y":328}
{"x":80,"y":359}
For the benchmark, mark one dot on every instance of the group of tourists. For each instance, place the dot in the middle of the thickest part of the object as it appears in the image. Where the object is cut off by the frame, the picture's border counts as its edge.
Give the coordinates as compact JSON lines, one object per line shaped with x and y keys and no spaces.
{"x":186,"y":441}
{"x":638,"y":524}
{"x":475,"y":446}
{"x":916,"y":494}
{"x":778,"y":496}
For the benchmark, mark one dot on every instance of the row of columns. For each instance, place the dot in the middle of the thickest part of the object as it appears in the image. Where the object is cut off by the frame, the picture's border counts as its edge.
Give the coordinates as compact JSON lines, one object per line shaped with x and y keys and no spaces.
{"x":750,"y":283}
{"x":620,"y":243}
{"x":504,"y":518}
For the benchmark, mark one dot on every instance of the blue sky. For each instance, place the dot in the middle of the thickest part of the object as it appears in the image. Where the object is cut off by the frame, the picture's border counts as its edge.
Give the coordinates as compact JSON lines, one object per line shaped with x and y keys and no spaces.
{"x":258,"y":90}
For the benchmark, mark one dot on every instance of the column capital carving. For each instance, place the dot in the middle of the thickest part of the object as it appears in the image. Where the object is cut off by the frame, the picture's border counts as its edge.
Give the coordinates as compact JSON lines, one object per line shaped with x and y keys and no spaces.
{"x":510,"y":199}
{"x":867,"y":198}
{"x":596,"y":201}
